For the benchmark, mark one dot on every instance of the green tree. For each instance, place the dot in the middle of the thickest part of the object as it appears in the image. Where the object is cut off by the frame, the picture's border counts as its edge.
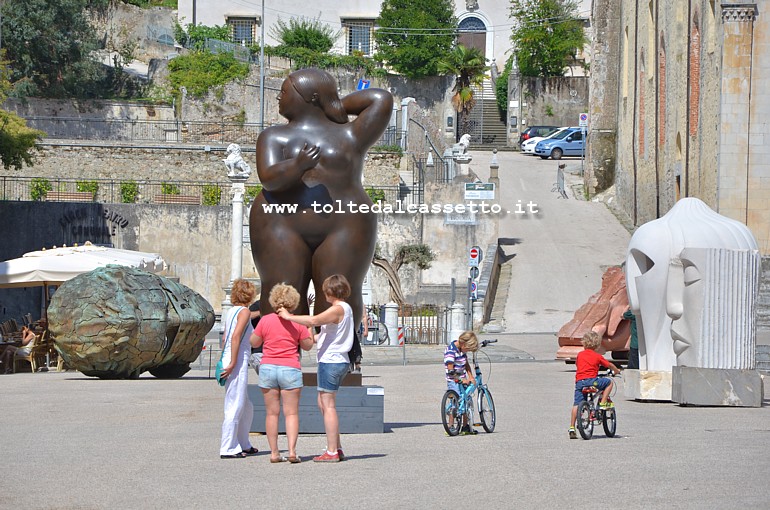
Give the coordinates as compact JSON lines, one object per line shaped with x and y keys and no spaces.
{"x":467,"y":65}
{"x":417,"y":254}
{"x":546,"y":36}
{"x":501,"y":86}
{"x":194,"y":36}
{"x":415,"y":34}
{"x":17,"y":141}
{"x":307,"y":33}
{"x":199,"y":71}
{"x":50,"y":45}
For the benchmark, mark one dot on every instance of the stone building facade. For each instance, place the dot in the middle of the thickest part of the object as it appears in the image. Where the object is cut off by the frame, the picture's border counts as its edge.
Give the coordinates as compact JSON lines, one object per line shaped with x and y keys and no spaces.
{"x":678,"y":110}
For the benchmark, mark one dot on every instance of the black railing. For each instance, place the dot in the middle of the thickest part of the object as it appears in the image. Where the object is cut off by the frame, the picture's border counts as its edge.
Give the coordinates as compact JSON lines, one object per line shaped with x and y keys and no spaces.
{"x":40,"y":189}
{"x":43,"y":189}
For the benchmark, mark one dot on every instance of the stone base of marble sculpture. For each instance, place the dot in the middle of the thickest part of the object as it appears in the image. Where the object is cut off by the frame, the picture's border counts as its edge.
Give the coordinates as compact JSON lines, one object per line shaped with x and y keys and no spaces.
{"x":716,"y":387}
{"x":647,"y":385}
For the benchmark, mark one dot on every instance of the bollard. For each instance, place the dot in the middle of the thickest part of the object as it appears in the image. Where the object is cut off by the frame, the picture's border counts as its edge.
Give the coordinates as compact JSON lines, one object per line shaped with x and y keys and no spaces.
{"x":457,"y":322}
{"x":391,"y":322}
{"x":478,"y":314}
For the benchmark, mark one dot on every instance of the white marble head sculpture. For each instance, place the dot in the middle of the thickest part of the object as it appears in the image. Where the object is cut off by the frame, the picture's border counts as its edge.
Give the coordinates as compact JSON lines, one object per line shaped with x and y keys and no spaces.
{"x":710,"y":298}
{"x":689,"y":224}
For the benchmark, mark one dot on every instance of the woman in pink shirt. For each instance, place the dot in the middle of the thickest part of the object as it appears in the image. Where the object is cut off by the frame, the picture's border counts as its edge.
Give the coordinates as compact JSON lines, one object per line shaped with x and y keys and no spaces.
{"x":280,"y":374}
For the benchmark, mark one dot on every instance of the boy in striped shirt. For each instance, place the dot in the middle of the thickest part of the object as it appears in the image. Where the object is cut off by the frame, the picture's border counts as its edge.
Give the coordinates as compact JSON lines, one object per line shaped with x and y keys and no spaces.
{"x":455,"y":363}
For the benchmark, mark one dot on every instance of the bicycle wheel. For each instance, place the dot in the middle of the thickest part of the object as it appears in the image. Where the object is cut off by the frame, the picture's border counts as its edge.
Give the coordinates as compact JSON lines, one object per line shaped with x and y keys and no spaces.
{"x":452,"y":421}
{"x":585,"y":422}
{"x":487,"y":410}
{"x":383,"y":334}
{"x":610,"y":422}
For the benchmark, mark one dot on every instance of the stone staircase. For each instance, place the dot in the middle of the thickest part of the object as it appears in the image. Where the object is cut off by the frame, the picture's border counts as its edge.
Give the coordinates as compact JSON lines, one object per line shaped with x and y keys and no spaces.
{"x":490,"y":127}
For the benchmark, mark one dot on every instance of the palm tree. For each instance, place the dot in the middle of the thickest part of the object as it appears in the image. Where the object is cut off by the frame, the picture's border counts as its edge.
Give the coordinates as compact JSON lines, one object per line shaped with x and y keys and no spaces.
{"x":468,"y":66}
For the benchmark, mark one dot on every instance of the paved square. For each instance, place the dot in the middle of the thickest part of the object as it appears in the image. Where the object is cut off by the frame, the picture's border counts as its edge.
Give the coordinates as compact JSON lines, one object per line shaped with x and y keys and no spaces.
{"x":70,"y":441}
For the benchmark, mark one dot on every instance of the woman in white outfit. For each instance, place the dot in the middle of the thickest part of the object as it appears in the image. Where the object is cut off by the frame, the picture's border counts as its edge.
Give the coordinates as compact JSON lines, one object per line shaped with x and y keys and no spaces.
{"x":334,"y":341}
{"x":239,"y":410}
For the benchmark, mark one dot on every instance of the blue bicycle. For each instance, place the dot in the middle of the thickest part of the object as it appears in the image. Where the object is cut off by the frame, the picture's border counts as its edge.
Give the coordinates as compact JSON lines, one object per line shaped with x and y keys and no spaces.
{"x":454,"y":408}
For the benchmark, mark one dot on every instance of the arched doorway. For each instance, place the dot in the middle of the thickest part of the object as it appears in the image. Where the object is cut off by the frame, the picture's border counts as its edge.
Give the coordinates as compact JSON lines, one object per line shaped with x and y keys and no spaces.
{"x":473,"y":34}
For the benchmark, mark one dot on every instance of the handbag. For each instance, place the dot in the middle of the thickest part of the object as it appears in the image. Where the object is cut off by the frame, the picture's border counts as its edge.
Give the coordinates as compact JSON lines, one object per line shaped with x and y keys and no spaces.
{"x":220,"y":366}
{"x":218,"y":372}
{"x":355,"y":354}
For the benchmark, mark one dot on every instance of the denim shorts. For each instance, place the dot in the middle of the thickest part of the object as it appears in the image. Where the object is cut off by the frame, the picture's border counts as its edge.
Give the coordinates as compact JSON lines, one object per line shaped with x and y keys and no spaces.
{"x":278,"y":376}
{"x":599,"y":382}
{"x":330,"y":376}
{"x":455,"y":386}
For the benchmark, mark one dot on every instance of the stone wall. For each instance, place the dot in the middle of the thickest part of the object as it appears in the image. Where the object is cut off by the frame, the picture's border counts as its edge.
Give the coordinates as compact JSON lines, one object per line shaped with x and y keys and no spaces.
{"x":90,"y":109}
{"x":556,"y":101}
{"x":603,"y":100}
{"x":127,"y":23}
{"x":692,"y":109}
{"x":194,"y":241}
{"x":62,"y":160}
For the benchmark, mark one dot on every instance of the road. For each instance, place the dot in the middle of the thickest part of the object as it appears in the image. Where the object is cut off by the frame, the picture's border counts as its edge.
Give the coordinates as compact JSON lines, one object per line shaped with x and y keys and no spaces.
{"x":557,"y":255}
{"x":72,"y":442}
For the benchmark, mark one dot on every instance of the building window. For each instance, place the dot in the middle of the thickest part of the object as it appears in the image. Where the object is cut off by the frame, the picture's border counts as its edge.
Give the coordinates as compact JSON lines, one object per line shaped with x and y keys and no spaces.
{"x":243,"y":30}
{"x":359,"y":36}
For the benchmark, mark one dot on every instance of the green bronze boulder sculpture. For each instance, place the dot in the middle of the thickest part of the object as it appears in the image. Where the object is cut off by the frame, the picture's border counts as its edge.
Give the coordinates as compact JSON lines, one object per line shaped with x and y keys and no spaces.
{"x":116,"y":322}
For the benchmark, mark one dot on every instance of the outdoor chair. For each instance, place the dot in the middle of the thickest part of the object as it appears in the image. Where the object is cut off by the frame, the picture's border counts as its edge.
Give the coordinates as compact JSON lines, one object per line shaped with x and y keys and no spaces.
{"x":37,"y":353}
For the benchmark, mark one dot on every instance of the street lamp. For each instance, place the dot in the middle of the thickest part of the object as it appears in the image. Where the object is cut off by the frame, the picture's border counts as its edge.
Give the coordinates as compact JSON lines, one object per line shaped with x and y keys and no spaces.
{"x":262,"y":69}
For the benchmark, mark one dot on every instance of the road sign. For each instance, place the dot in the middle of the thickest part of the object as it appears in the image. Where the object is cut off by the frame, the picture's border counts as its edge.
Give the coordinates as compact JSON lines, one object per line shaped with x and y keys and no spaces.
{"x":474,"y":272}
{"x":474,"y":290}
{"x":474,"y":256}
{"x":363,"y":84}
{"x":583,"y":121}
{"x":479,"y":191}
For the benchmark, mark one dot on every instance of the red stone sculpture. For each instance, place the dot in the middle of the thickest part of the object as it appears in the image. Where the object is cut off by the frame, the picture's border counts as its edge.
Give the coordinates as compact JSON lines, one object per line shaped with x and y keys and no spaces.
{"x":602,"y":313}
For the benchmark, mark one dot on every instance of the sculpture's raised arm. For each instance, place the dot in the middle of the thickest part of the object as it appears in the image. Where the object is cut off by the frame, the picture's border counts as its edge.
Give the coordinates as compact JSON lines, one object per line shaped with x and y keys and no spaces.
{"x":373,"y":108}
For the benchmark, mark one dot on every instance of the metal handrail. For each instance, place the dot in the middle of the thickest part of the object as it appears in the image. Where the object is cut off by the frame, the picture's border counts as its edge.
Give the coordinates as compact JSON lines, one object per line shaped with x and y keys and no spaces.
{"x":430,"y":142}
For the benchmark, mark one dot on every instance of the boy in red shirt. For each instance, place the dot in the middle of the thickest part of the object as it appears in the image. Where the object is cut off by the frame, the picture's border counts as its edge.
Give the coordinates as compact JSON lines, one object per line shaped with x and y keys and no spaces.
{"x":587,"y":374}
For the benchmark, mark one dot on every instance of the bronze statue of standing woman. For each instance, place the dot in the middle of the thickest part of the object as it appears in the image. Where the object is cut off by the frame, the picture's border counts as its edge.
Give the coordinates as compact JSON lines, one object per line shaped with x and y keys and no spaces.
{"x":315,"y":162}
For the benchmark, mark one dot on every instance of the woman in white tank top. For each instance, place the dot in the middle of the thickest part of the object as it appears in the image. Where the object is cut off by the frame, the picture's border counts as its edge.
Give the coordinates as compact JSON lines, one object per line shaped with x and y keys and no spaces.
{"x":333,"y":343}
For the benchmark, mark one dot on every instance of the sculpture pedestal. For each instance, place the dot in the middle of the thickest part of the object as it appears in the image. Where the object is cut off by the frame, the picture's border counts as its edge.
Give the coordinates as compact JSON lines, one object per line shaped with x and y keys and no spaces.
{"x":647,"y":385}
{"x":361,"y":409}
{"x":717,"y":387}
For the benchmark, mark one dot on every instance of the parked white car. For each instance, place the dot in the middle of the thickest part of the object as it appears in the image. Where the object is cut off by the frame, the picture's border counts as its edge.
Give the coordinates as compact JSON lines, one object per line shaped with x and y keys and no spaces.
{"x":528,"y":147}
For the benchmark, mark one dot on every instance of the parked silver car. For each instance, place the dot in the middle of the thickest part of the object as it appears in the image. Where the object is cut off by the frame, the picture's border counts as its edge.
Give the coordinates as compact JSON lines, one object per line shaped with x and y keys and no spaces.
{"x":566,"y":143}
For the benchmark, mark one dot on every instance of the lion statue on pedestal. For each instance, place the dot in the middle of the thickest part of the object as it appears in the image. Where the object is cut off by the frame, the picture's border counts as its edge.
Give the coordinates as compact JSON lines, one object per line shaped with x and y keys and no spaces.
{"x":236,"y":165}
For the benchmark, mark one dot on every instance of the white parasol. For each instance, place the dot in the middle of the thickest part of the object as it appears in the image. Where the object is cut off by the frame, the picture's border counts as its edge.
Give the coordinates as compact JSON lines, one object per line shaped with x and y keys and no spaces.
{"x":57,"y":265}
